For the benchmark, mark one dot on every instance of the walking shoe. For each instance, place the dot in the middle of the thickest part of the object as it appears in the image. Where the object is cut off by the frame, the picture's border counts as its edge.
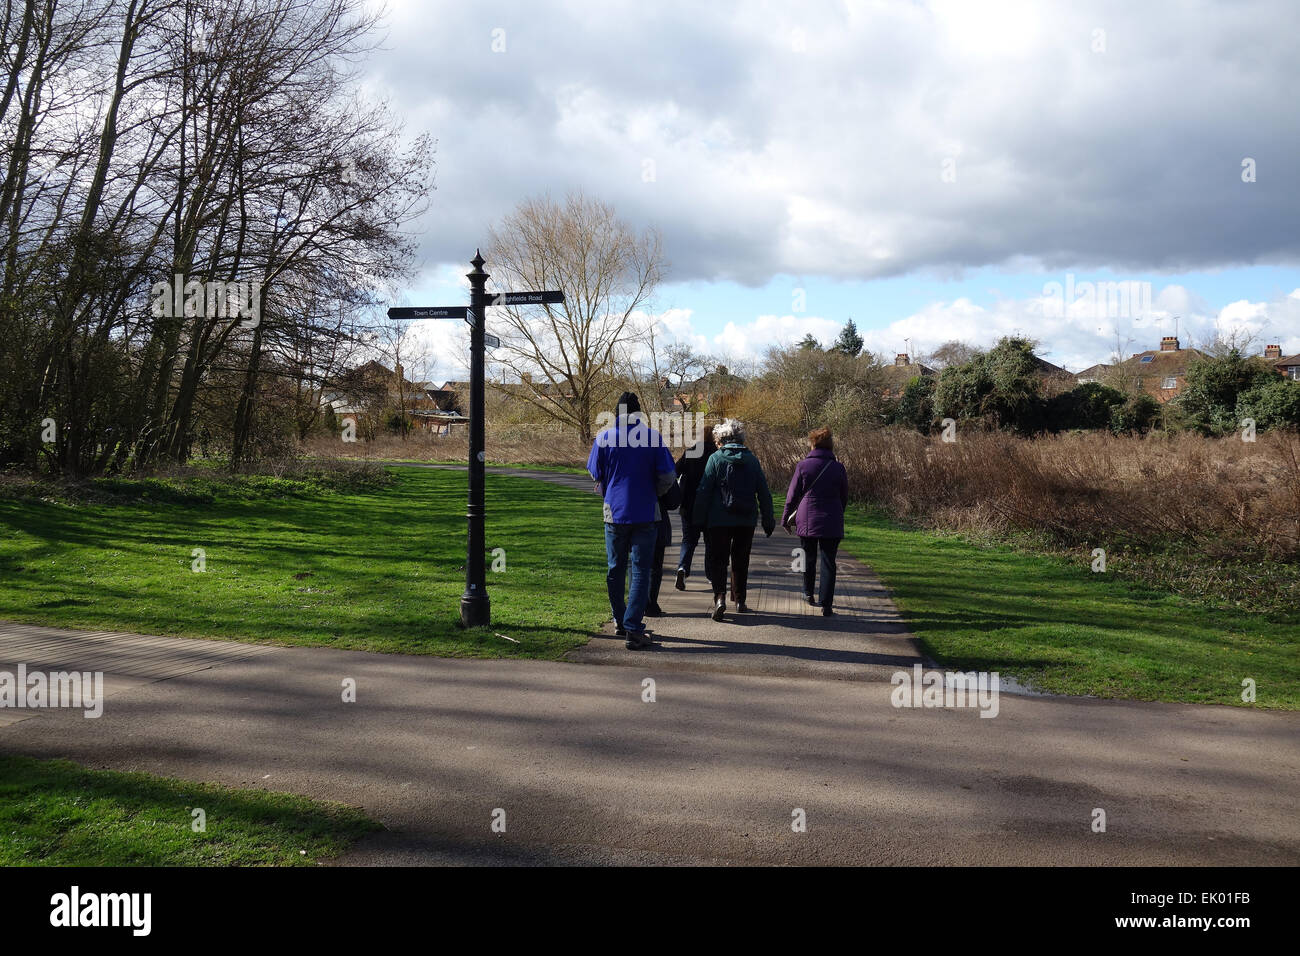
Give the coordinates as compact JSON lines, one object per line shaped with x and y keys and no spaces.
{"x":654,"y":610}
{"x":743,"y":608}
{"x":719,"y":609}
{"x":638,"y":641}
{"x":827,"y":612}
{"x":619,"y":631}
{"x":812,"y":601}
{"x":681,"y":579}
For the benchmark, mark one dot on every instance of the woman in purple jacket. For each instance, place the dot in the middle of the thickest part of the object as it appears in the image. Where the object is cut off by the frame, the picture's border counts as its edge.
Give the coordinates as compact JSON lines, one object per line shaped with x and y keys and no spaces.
{"x":819,"y":490}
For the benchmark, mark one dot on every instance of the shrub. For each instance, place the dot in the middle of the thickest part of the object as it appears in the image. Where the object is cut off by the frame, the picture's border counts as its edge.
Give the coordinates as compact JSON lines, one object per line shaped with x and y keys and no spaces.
{"x":1221,"y":498}
{"x":1274,"y":404}
{"x":1001,"y":386}
{"x":1214,"y":386}
{"x":1090,"y":405}
{"x":1137,"y":414}
{"x":916,"y":408}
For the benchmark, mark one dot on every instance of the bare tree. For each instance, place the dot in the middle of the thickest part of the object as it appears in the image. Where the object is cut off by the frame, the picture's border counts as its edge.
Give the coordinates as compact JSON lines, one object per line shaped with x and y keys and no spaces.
{"x":1123,"y":375}
{"x":664,"y":371}
{"x":403,"y":350}
{"x":950,"y":353}
{"x":216,"y":140}
{"x":1221,"y":341}
{"x":608,"y":271}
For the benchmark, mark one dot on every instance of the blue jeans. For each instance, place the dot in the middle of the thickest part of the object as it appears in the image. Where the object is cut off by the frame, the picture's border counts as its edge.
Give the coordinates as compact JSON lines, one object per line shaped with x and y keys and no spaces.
{"x":637,"y":542}
{"x":690,"y":538}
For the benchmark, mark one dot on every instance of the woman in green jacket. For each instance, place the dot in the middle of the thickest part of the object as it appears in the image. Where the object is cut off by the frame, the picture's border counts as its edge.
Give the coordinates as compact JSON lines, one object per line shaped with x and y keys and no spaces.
{"x":731,"y":497}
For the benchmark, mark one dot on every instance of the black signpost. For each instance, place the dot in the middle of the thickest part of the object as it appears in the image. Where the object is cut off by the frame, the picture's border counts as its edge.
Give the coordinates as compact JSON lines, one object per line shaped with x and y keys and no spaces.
{"x":475,"y":608}
{"x":525,"y":298}
{"x":454,"y":312}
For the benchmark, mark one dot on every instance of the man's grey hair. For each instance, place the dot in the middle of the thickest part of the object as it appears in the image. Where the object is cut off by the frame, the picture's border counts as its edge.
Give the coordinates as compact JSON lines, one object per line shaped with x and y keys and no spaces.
{"x":729,"y":432}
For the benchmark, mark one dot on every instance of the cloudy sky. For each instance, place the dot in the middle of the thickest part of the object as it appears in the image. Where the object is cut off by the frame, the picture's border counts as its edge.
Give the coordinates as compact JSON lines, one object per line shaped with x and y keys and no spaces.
{"x":928,"y":169}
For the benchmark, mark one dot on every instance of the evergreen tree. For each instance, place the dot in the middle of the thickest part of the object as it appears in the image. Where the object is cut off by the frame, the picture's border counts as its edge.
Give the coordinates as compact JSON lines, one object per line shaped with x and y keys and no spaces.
{"x":849,"y":342}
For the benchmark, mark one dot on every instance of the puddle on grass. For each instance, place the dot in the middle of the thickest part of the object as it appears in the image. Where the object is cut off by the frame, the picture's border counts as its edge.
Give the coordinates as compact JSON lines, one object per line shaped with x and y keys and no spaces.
{"x":1008,"y":685}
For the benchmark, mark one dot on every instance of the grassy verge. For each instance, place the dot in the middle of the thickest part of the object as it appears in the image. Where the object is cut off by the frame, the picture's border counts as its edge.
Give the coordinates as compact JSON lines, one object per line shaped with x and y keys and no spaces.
{"x":54,"y":813}
{"x":379,"y":569}
{"x":559,"y":469}
{"x":1059,"y":627}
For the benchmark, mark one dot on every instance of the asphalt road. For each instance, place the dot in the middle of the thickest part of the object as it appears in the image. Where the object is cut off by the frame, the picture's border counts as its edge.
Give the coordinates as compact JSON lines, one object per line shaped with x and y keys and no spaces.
{"x":752,"y":721}
{"x":586,"y":770}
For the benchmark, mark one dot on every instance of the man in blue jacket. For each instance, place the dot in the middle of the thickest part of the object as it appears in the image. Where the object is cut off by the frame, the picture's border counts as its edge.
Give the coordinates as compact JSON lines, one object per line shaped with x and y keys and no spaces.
{"x":632,"y":466}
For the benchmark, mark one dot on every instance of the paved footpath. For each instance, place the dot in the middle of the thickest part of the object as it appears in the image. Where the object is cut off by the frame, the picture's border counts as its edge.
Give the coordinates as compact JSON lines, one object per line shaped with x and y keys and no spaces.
{"x":865,"y":640}
{"x":737,"y":739}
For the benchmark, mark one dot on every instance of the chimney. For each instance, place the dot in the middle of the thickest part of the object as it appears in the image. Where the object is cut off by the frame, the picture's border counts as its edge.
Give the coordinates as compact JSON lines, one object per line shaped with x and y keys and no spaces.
{"x":1169,"y":343}
{"x":526,"y":378}
{"x":398,"y":371}
{"x":1272,"y":352}
{"x":902,"y":359}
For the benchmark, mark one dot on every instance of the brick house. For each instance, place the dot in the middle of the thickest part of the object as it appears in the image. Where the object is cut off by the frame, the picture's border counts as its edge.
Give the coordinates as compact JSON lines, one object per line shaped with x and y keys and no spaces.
{"x":366,"y":393}
{"x":1160,"y":373}
{"x":1287,"y":366}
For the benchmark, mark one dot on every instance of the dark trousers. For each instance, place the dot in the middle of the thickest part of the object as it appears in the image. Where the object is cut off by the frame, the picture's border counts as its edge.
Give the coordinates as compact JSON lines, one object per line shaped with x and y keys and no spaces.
{"x":664,"y":537}
{"x":690,"y":538}
{"x":723,"y":545}
{"x":827,"y":548}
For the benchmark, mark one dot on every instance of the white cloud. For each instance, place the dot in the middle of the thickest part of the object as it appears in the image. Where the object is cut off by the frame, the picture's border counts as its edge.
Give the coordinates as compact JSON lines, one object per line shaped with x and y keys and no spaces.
{"x":827,"y":162}
{"x":1075,"y":340}
{"x":753,"y":339}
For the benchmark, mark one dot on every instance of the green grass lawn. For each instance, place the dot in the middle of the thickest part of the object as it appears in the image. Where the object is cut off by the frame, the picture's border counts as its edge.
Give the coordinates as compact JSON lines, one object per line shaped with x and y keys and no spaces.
{"x":379,"y":570}
{"x":54,"y":813}
{"x":1061,"y":628}
{"x":383,"y":569}
{"x":490,"y":463}
{"x":559,"y":469}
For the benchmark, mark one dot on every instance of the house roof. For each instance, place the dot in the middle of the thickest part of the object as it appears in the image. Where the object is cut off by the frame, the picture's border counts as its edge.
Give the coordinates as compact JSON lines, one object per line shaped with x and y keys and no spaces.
{"x":374,"y":371}
{"x":1287,"y":361}
{"x":909,"y":371}
{"x":449,"y":414}
{"x":1093,"y":370}
{"x":1159,"y":362}
{"x":1047,"y":368}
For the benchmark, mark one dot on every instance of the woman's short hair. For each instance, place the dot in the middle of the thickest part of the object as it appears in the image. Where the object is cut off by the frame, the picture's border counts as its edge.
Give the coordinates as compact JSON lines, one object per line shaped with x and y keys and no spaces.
{"x":729,"y":431}
{"x":821,"y":438}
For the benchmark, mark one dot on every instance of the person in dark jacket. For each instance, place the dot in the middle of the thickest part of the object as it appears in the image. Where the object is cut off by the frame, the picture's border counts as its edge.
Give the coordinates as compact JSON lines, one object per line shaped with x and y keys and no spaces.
{"x":729,"y":501}
{"x":819,"y":490}
{"x":669,"y":501}
{"x":690,"y":469}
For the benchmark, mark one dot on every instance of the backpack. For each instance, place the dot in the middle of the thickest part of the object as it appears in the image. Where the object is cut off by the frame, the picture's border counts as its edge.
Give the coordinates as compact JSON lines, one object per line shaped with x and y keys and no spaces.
{"x":737,"y":487}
